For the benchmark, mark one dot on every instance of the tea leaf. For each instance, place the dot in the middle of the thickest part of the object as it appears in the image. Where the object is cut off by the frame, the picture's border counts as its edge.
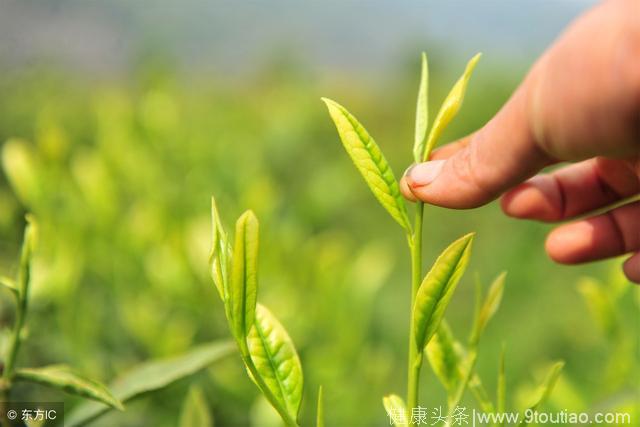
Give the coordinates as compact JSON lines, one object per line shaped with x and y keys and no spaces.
{"x":220,"y":253}
{"x":422,"y":111}
{"x":63,"y":378}
{"x":320,"y":410}
{"x":489,"y":307}
{"x":600,"y":306}
{"x":151,"y":376}
{"x":10,"y":285}
{"x":545,"y":389}
{"x":370,"y":161}
{"x":437,"y":288}
{"x":501,"y":392}
{"x":244,"y":284}
{"x":195,"y":412}
{"x":450,"y":107}
{"x":396,"y":410}
{"x":443,"y":357}
{"x":276,"y":361}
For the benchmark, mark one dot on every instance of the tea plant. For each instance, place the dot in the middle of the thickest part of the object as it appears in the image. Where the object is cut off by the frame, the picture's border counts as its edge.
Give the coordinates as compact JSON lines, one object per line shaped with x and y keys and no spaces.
{"x":265,"y":347}
{"x":60,"y":377}
{"x":430,"y":296}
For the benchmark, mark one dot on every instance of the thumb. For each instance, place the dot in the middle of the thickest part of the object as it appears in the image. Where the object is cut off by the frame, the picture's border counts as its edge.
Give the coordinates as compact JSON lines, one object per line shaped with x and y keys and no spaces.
{"x":498,"y":156}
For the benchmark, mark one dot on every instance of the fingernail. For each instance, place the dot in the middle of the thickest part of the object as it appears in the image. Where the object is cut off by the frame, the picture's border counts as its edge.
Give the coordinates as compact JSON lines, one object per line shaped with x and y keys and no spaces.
{"x":424,"y":173}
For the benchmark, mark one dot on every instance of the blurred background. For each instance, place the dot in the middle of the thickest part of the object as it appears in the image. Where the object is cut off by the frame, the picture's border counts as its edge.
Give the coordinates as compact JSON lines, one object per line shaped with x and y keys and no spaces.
{"x":119,"y":120}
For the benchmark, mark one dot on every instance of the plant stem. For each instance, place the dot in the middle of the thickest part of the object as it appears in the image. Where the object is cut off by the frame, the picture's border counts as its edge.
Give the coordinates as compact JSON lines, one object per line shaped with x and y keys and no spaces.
{"x":415,"y":354}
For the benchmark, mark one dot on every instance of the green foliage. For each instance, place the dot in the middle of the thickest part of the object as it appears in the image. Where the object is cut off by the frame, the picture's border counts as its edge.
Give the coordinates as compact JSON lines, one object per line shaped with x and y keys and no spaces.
{"x":64,"y":378}
{"x":370,"y":161}
{"x":544,"y":389}
{"x":152,"y":376}
{"x":437,"y":288}
{"x":195,"y":412}
{"x":320,"y":409}
{"x":396,"y":410}
{"x":422,"y":112}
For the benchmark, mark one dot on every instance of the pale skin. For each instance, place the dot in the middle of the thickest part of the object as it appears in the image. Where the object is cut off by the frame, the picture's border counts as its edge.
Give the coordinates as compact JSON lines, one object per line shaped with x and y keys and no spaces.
{"x":579,"y":104}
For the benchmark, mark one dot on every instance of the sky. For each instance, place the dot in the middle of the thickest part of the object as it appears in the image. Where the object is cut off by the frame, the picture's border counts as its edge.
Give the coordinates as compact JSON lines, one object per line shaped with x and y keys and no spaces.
{"x":104,"y":37}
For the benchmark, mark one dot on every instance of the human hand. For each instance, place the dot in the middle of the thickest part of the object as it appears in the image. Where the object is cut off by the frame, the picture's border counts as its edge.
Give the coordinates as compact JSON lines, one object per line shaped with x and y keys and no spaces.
{"x":579,"y":103}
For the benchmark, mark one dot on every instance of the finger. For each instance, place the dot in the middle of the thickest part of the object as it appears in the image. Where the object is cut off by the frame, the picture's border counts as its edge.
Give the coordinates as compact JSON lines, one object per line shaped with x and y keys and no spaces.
{"x":572,"y":190}
{"x":614,"y":233}
{"x":481,"y":166}
{"x":406,"y":190}
{"x":449,"y":150}
{"x":581,"y":93}
{"x":631,"y":268}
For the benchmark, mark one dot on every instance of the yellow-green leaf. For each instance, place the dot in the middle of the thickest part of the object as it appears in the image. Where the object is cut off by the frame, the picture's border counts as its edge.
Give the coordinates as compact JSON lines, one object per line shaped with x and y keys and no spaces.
{"x":501,"y":392}
{"x":220,"y":253}
{"x":600,"y":306}
{"x":151,"y":376}
{"x":320,"y":410}
{"x":545,"y":389}
{"x":370,"y":161}
{"x":276,"y":361}
{"x":422,"y":111}
{"x":10,"y":285}
{"x":195,"y":411}
{"x":450,"y":107}
{"x":437,"y":288}
{"x":396,"y":410}
{"x":489,"y":307}
{"x":63,"y":378}
{"x":443,"y":357}
{"x":243,"y":288}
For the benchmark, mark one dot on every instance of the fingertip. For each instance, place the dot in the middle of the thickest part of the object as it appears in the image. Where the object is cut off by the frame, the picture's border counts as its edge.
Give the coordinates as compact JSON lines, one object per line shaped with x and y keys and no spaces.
{"x":566,"y":244}
{"x":405,"y":189}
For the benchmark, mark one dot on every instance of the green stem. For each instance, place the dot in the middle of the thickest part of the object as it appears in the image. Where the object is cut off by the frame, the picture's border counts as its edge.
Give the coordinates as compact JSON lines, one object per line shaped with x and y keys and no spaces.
{"x":415,"y":354}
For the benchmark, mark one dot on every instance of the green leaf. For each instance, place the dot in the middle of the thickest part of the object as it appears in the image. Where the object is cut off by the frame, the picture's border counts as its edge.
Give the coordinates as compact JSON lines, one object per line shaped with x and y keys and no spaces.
{"x":274,"y":356}
{"x":63,"y":378}
{"x":501,"y":392}
{"x":545,"y":389}
{"x":600,"y":306}
{"x":422,"y":111}
{"x":151,"y":376}
{"x":195,"y":412}
{"x":444,"y":358}
{"x":396,"y":410}
{"x":437,"y":288}
{"x":220,"y":253}
{"x":244,"y":279}
{"x":450,"y":107}
{"x":320,"y":410}
{"x":489,"y":307}
{"x":370,"y":161}
{"x":10,"y":285}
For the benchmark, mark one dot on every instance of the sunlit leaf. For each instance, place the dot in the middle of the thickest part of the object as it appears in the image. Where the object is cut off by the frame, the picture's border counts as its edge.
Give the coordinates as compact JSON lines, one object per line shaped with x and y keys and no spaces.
{"x":370,"y":161}
{"x":276,"y":361}
{"x":320,"y":409}
{"x":544,"y":389}
{"x":450,"y":107}
{"x":437,"y":288}
{"x":396,"y":410}
{"x":220,"y":253}
{"x":422,"y":112}
{"x":599,"y":304}
{"x":195,"y":412}
{"x":10,"y":285}
{"x":151,"y":376}
{"x":243,"y":287}
{"x":488,"y":307}
{"x":65,"y":379}
{"x":443,"y":357}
